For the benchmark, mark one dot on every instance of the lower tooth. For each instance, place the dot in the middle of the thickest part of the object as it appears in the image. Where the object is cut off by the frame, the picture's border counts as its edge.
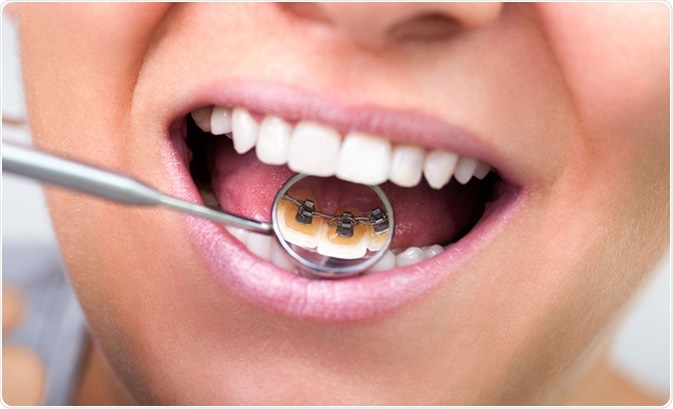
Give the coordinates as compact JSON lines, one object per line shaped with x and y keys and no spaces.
{"x":240,"y":234}
{"x":268,"y":249}
{"x":209,"y":199}
{"x":387,"y":262}
{"x":260,"y":245}
{"x":433,"y":250}
{"x":279,"y":257}
{"x":412,"y":255}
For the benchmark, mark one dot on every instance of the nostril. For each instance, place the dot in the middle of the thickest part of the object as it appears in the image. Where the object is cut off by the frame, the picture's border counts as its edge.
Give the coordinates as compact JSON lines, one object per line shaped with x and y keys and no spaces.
{"x":425,"y":27}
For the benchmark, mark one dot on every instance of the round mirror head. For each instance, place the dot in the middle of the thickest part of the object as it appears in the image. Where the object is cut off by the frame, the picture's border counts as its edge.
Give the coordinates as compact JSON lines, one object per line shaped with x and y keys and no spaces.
{"x":332,"y":228}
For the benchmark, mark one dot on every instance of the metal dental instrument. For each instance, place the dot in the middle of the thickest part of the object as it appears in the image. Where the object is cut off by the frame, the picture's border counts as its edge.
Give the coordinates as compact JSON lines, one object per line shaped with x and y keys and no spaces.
{"x":322,"y":260}
{"x":107,"y":184}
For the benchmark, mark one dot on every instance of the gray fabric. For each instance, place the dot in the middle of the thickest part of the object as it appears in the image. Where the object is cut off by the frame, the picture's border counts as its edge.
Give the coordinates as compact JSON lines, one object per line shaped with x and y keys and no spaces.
{"x":54,"y":325}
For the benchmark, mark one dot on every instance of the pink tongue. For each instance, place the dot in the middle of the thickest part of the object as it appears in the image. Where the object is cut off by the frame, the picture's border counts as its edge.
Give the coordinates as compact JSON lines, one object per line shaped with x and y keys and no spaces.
{"x":423,"y":216}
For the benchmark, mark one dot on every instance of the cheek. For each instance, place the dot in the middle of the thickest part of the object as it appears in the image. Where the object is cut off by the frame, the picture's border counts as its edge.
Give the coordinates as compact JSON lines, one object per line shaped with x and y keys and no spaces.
{"x":614,"y":54}
{"x":615,"y":60}
{"x":80,"y":63}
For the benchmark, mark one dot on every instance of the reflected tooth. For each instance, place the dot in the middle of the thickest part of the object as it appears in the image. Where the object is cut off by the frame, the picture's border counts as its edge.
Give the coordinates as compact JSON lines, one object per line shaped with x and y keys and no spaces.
{"x":431,"y":251}
{"x":465,"y":169}
{"x":273,"y":141}
{"x":387,"y":262}
{"x":406,"y":168}
{"x":438,"y":167}
{"x":314,"y":149}
{"x":279,"y":257}
{"x":375,"y":241}
{"x":245,"y":130}
{"x":201,"y":117}
{"x":364,"y":159}
{"x":297,"y":233}
{"x":260,"y":245}
{"x":482,"y":170}
{"x":412,"y":255}
{"x":348,"y":248}
{"x":220,"y":120}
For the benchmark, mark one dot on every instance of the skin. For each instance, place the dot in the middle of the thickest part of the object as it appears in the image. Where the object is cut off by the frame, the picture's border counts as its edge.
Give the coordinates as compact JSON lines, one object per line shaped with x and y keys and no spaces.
{"x":574,"y":95}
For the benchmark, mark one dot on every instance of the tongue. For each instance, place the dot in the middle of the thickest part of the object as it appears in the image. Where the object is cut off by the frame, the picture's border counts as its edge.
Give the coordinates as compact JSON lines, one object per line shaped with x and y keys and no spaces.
{"x":423,"y":216}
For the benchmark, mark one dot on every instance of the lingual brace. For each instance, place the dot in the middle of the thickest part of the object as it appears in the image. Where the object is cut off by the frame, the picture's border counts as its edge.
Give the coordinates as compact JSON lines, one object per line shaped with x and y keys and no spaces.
{"x":345,"y":223}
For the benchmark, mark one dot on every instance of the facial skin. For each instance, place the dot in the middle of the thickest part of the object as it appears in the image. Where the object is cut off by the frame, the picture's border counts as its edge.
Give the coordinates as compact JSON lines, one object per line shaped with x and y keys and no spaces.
{"x":574,"y":96}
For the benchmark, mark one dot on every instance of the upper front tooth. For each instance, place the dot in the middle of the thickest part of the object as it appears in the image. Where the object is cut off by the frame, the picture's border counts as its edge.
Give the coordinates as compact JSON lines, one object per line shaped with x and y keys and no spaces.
{"x":201,"y":117}
{"x":273,"y":141}
{"x":438,"y":167}
{"x":406,"y":168}
{"x":220,"y":120}
{"x":314,"y":149}
{"x":465,"y":169}
{"x":244,"y":129}
{"x":364,"y":159}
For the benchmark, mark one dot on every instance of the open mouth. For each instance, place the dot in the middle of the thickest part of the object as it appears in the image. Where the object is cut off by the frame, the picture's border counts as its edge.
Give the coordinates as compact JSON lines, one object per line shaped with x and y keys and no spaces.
{"x":238,"y":160}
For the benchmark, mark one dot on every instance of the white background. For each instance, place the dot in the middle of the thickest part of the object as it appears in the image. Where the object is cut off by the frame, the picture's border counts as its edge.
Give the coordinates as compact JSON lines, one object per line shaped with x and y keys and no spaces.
{"x":642,"y":349}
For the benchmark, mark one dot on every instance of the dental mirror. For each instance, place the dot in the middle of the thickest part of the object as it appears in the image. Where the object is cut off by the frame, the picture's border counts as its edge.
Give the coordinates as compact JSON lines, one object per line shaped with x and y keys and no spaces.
{"x":329,"y":227}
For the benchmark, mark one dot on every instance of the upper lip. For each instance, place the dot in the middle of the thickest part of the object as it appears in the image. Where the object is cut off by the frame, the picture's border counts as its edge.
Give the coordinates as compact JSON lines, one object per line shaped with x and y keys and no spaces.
{"x":345,"y":300}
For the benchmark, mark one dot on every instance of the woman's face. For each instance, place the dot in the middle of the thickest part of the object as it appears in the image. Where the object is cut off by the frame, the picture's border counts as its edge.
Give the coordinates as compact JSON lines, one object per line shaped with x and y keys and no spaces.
{"x":567,"y":104}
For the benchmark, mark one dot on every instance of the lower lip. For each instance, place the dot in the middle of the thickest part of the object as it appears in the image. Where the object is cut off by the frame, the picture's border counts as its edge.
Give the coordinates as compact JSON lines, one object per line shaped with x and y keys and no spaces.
{"x":346,"y":300}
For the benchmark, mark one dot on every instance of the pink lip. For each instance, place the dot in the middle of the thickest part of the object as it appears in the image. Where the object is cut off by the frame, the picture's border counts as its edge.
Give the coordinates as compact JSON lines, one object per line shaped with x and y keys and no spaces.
{"x":231,"y":265}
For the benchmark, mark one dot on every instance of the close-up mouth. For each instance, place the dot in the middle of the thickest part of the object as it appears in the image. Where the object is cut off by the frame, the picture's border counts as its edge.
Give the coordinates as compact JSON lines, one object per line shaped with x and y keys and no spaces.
{"x":236,"y":158}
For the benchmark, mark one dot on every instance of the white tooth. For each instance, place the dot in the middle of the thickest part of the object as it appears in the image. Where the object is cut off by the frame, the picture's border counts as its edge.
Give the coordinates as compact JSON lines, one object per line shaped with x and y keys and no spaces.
{"x":245,"y":130}
{"x":260,"y":245}
{"x":279,"y":257}
{"x":406,"y":168}
{"x":431,"y":251}
{"x":465,"y":169}
{"x":364,"y":159}
{"x":482,"y":170}
{"x":308,"y":238}
{"x":314,"y":149}
{"x":273,"y":141}
{"x":387,"y":262}
{"x":240,"y":234}
{"x":412,"y":255}
{"x":438,"y":167}
{"x":348,"y":252}
{"x":220,"y":120}
{"x":201,"y":117}
{"x":332,"y":245}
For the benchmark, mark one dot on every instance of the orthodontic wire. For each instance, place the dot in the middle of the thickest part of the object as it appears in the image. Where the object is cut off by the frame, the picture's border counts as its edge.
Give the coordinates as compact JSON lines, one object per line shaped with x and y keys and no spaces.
{"x":366,"y":220}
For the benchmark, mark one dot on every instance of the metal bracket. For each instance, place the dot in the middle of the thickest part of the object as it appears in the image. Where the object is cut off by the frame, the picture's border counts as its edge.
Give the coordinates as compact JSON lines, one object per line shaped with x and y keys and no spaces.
{"x":345,"y":225}
{"x":305,"y":212}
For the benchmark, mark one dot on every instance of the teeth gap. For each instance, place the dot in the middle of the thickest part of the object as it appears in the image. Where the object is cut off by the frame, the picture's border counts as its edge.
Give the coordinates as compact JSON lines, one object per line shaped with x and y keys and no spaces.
{"x":198,"y":140}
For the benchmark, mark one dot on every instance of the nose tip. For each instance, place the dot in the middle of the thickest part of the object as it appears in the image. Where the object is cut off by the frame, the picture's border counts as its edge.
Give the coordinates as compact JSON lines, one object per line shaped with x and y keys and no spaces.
{"x":380,"y":24}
